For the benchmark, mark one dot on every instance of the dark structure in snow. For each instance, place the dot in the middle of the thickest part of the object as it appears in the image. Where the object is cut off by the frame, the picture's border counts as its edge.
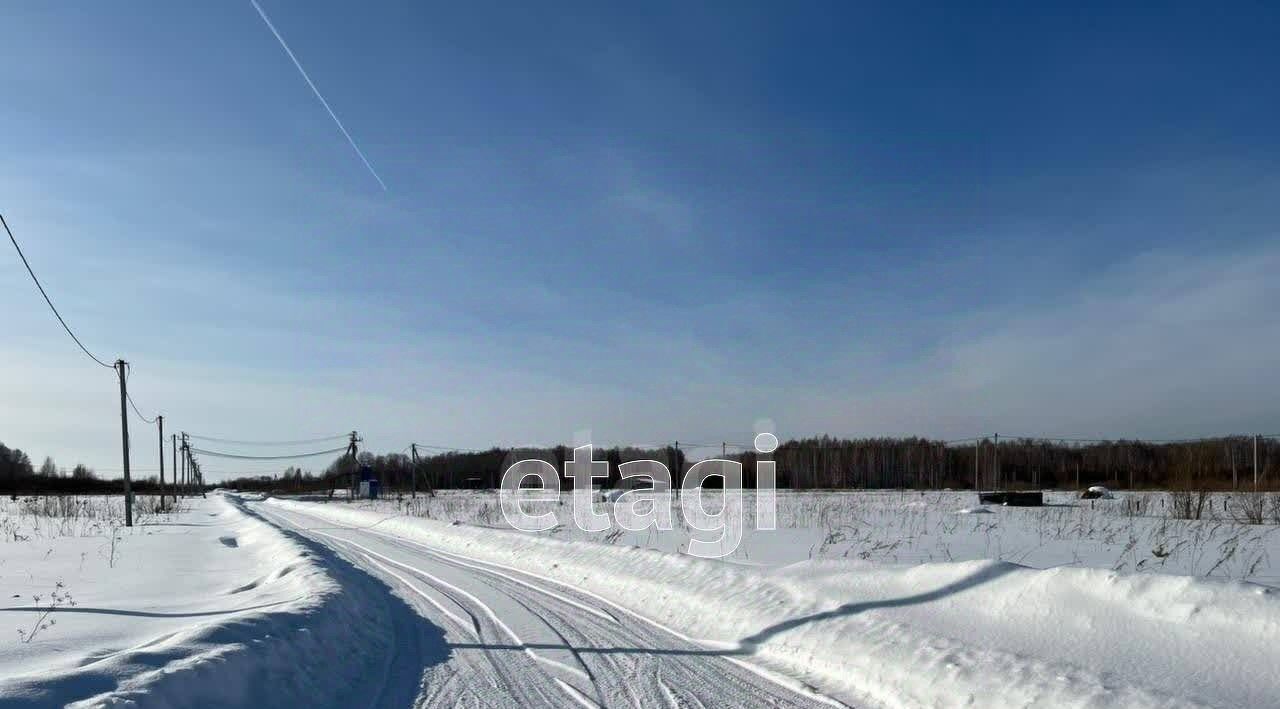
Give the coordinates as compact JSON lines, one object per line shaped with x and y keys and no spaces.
{"x":1012,"y":499}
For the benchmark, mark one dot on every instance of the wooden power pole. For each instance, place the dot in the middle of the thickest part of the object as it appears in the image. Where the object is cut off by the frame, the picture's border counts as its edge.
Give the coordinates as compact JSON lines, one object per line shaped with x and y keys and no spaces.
{"x":173,"y":444}
{"x":1255,"y":462}
{"x":124,"y":442}
{"x":977,"y":480}
{"x":431,"y":489}
{"x":413,"y":473}
{"x":160,"y":425}
{"x":353,"y":450}
{"x":997,"y":461}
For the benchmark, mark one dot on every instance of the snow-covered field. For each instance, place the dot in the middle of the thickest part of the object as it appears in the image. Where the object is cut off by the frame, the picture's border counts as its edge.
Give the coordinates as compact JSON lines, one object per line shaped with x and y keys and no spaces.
{"x":1134,"y":532}
{"x":863,"y":599}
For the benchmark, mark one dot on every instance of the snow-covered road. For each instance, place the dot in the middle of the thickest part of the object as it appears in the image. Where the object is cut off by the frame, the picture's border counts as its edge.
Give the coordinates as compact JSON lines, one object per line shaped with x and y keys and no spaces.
{"x":513,"y":639}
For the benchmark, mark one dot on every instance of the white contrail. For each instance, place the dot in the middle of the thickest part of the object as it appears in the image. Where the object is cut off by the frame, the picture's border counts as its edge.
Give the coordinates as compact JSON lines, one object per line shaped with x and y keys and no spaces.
{"x":316,"y":91}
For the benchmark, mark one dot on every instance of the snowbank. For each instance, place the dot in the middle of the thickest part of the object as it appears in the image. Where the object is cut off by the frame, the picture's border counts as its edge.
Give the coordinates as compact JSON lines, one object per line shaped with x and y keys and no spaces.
{"x":961,"y":634}
{"x":213,"y":608}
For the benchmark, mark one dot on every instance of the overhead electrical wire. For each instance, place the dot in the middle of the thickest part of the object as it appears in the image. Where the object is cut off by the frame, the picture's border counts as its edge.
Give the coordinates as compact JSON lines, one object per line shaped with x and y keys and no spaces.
{"x":219,"y":454}
{"x":129,"y":397}
{"x":267,"y":443}
{"x":1069,"y":439}
{"x":449,"y":449}
{"x":139,"y":413}
{"x":46,"y":295}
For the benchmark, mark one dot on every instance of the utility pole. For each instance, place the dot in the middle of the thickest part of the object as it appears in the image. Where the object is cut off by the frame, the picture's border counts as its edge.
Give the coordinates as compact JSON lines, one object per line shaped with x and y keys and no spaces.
{"x":1255,"y":462}
{"x":160,"y":425}
{"x":186,"y":466}
{"x":941,"y":473}
{"x":124,"y":442}
{"x":997,"y":463}
{"x":431,"y":489}
{"x":194,"y":477}
{"x":353,"y":450}
{"x":723,"y":454}
{"x":977,"y":480}
{"x":173,"y":445}
{"x":193,"y":472}
{"x":413,"y":475}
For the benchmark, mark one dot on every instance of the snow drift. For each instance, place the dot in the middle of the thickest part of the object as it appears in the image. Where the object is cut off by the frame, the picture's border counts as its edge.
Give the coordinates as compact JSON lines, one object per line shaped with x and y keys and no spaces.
{"x":279,"y":623}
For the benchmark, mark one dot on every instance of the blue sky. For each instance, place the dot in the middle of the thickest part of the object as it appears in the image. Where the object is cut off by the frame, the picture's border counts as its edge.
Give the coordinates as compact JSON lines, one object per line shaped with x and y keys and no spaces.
{"x":649,"y":222}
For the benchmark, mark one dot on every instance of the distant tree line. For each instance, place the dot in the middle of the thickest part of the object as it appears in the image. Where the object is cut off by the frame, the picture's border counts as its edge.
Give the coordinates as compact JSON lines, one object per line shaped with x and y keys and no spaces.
{"x":1023,"y":463}
{"x":810,"y":463}
{"x":291,"y":479}
{"x":868,"y":463}
{"x":448,"y":470}
{"x":19,"y":476}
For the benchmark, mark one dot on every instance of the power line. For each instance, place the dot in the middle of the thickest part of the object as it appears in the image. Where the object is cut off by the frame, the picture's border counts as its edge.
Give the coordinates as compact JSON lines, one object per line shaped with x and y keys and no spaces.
{"x":267,"y":443}
{"x":449,"y":449}
{"x":1068,"y":439}
{"x":217,"y":454}
{"x":129,"y":397}
{"x":139,"y":413}
{"x":46,"y":296}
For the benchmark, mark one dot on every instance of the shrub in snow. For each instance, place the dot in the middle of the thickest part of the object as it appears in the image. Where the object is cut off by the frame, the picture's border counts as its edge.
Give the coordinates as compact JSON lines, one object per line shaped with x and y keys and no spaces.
{"x":1097,"y":492}
{"x":58,"y":598}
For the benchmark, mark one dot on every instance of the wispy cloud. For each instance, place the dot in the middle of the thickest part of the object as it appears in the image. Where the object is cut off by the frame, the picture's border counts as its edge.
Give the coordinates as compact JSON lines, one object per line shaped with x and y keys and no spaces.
{"x":316,"y":91}
{"x":1170,"y":343}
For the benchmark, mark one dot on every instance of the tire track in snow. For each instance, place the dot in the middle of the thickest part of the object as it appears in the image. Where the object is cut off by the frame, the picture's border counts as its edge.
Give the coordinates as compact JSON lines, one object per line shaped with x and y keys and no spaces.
{"x":539,"y":584}
{"x":492,"y":677}
{"x":631,"y":662}
{"x":484,"y":607}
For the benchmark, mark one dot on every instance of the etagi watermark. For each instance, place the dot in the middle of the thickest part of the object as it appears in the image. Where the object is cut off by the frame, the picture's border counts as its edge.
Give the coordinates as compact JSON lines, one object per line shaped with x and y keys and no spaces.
{"x":646,"y":502}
